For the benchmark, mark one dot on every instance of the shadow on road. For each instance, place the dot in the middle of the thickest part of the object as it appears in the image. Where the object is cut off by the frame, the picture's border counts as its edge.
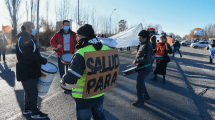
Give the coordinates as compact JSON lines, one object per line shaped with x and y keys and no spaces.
{"x":7,"y":75}
{"x":198,"y":99}
{"x":20,"y":100}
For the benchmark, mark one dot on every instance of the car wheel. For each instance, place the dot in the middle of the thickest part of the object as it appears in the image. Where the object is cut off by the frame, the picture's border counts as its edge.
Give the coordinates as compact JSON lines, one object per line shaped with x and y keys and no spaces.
{"x":195,"y":47}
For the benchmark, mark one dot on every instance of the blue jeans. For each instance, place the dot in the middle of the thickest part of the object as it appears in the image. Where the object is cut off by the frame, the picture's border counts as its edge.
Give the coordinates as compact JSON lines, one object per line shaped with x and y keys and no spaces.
{"x":141,"y":87}
{"x":61,"y":67}
{"x":176,"y":49}
{"x":85,"y":108}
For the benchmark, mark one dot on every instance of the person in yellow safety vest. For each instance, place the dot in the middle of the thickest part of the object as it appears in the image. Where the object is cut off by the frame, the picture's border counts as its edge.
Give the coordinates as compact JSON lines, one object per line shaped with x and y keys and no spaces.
{"x":85,"y":108}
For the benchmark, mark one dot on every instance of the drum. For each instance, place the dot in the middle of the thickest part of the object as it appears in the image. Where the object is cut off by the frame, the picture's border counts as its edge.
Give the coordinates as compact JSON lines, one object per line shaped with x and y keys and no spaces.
{"x":159,"y":57}
{"x":67,"y":58}
{"x":48,"y":72}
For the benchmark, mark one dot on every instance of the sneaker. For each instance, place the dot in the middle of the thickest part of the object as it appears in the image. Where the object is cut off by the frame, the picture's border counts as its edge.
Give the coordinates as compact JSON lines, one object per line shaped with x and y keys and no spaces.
{"x":39,"y":115}
{"x":26,"y":112}
{"x":138,"y":103}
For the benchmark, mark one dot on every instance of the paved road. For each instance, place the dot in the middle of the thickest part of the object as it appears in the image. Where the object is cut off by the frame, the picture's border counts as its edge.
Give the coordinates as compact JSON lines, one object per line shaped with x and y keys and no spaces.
{"x":178,"y":99}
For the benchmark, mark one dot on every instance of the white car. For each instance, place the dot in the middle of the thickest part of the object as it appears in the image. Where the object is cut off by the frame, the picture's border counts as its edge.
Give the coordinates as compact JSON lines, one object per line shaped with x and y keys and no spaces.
{"x":201,"y":44}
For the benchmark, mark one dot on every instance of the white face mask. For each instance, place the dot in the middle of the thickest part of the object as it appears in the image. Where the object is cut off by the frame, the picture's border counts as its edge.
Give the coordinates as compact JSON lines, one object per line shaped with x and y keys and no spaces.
{"x":34,"y":32}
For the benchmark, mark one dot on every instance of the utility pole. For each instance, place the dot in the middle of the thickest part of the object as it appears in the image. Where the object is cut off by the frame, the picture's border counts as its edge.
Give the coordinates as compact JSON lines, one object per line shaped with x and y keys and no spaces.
{"x":38,"y":4}
{"x":78,"y":12}
{"x":110,"y":21}
{"x":27,"y":9}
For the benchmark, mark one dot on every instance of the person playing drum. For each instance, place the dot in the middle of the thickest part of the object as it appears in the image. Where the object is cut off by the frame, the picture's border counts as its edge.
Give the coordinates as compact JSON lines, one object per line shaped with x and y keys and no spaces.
{"x":76,"y":75}
{"x":65,"y":41}
{"x":28,"y":68}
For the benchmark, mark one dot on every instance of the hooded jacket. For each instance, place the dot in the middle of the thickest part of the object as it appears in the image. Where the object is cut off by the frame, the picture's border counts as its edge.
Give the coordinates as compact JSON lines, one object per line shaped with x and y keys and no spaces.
{"x":58,"y":39}
{"x":29,"y":58}
{"x":77,"y":65}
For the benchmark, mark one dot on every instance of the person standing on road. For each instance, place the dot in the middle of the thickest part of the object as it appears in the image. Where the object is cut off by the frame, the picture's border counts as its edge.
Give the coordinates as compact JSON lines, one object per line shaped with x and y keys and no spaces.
{"x":65,"y":41}
{"x":211,"y":45}
{"x":144,"y":57}
{"x":85,"y":108}
{"x":3,"y":44}
{"x":154,"y":45}
{"x":163,"y":48}
{"x":128,"y":48}
{"x":28,"y":68}
{"x":176,"y":47}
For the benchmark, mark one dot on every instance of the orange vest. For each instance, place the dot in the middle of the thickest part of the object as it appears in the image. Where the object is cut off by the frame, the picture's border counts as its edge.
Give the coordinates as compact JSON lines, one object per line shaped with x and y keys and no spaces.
{"x":160,"y":50}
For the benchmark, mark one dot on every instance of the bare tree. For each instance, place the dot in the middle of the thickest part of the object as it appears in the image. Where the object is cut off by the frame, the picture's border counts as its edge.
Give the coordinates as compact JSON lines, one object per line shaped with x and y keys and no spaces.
{"x":47,"y":10}
{"x":13,"y":8}
{"x":63,"y":10}
{"x":33,"y":10}
{"x":178,"y":36}
{"x":122,"y":25}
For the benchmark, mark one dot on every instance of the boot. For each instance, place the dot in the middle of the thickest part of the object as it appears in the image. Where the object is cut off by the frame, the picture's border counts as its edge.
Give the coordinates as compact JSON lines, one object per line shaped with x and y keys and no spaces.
{"x":164,"y":80}
{"x":155,"y":78}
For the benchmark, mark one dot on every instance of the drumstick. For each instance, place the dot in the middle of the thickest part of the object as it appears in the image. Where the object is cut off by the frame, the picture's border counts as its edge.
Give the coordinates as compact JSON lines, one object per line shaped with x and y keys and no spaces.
{"x":50,"y":55}
{"x":129,"y":65}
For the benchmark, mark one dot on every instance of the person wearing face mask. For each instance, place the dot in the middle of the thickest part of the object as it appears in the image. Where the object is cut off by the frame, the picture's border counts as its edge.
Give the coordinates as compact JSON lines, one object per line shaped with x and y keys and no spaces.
{"x":143,"y":57}
{"x":85,"y":107}
{"x":163,"y":48}
{"x":65,"y":41}
{"x":28,"y":68}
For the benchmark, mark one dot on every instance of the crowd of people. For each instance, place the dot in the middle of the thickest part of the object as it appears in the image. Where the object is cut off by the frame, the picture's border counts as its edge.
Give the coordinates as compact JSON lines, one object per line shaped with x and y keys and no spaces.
{"x":67,"y":41}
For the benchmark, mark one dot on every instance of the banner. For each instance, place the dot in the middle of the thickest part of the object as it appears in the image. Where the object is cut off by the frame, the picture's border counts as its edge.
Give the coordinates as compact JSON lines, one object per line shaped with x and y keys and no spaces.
{"x":6,"y":28}
{"x":127,"y":38}
{"x":102,"y":69}
{"x":212,"y":53}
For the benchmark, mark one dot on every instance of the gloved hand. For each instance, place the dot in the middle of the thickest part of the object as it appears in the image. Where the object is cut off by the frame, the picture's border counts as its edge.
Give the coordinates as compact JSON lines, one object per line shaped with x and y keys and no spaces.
{"x":65,"y":86}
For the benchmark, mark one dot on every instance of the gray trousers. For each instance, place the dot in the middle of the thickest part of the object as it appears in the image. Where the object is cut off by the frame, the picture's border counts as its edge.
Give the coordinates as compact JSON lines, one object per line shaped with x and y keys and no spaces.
{"x":31,"y":94}
{"x":141,"y":87}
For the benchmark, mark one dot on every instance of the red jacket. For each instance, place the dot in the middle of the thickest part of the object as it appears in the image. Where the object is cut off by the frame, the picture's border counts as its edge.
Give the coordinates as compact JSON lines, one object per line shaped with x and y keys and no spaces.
{"x":58,"y":39}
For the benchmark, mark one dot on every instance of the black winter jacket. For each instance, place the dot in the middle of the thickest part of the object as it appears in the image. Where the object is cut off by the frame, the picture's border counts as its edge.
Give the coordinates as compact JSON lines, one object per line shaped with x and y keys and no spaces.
{"x":29,"y":58}
{"x":144,"y":55}
{"x":176,"y":44}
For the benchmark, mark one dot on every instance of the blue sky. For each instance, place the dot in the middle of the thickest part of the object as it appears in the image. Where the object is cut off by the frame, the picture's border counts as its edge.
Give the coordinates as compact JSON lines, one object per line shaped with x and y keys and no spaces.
{"x":177,"y":16}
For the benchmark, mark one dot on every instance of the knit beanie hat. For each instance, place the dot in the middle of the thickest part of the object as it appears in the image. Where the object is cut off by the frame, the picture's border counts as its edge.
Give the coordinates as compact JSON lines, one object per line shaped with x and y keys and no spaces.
{"x":86,"y":30}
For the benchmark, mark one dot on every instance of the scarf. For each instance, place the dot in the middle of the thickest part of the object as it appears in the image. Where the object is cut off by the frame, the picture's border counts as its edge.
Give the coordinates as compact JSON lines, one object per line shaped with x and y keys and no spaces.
{"x":82,"y":43}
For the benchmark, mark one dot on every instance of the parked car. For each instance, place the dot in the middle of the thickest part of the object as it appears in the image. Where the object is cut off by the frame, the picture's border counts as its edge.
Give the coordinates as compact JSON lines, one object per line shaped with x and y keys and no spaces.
{"x":201,"y":44}
{"x":194,"y":41}
{"x":186,"y":42}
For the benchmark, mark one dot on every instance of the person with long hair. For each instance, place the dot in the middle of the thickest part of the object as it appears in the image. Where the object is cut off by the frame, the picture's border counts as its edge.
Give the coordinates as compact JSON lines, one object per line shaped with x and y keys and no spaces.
{"x":153,"y":41}
{"x":163,"y":48}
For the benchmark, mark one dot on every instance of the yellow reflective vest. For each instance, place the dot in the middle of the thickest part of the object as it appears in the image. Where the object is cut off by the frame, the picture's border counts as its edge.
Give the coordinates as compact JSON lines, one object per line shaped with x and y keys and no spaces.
{"x":78,"y":92}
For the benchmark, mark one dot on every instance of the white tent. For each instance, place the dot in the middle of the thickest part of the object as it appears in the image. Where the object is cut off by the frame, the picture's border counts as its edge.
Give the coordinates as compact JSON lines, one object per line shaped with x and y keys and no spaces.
{"x":126,"y":38}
